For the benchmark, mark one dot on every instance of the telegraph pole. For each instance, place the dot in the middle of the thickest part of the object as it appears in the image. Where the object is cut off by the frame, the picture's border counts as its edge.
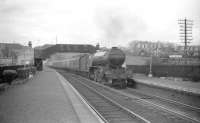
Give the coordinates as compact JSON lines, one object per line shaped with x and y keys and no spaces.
{"x":56,"y":39}
{"x":185,"y":32}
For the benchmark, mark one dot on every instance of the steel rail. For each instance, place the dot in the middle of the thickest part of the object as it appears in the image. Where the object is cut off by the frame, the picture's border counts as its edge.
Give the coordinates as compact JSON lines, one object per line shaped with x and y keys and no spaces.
{"x":169,"y":100}
{"x":164,"y":108}
{"x":183,"y":116}
{"x":123,"y":109}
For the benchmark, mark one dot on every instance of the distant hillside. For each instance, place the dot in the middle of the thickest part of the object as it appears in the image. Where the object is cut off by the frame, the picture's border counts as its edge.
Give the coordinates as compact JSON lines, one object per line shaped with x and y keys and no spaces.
{"x":39,"y":49}
{"x":9,"y":49}
{"x":11,"y":45}
{"x":43,"y":46}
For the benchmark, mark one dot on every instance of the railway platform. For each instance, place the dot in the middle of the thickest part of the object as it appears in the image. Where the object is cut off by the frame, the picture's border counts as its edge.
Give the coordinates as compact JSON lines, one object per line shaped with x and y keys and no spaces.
{"x":45,"y":98}
{"x":174,"y":84}
{"x":175,"y":90}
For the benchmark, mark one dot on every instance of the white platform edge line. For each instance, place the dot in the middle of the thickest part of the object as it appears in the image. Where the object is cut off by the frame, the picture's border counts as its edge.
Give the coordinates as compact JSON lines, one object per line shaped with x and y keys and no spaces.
{"x":64,"y":82}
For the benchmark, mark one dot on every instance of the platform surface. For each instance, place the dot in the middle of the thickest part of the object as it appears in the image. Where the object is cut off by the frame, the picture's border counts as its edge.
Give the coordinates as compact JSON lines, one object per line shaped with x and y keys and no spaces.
{"x":177,"y":84}
{"x":43,"y":99}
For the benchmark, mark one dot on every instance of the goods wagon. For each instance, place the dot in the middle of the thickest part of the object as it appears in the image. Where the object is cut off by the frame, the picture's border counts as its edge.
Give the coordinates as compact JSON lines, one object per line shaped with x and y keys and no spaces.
{"x":14,"y":59}
{"x":103,"y":67}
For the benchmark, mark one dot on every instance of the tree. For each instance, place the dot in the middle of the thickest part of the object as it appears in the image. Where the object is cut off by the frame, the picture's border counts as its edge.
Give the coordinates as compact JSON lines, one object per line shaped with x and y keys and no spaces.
{"x":6,"y":51}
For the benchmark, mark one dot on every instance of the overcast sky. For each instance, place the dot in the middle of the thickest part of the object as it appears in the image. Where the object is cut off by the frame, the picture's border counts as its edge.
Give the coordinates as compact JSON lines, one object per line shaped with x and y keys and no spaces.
{"x":108,"y":22}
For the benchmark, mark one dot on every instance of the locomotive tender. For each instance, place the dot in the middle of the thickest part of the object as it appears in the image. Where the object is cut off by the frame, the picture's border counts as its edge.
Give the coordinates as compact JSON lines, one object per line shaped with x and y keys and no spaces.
{"x":103,"y":67}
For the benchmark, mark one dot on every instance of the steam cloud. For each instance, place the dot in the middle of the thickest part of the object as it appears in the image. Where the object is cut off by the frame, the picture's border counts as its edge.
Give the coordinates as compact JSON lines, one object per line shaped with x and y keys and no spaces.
{"x":119,"y":26}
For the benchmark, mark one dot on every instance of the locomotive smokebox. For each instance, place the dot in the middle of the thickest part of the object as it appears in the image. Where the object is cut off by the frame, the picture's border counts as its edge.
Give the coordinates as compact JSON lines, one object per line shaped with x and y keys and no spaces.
{"x":114,"y":57}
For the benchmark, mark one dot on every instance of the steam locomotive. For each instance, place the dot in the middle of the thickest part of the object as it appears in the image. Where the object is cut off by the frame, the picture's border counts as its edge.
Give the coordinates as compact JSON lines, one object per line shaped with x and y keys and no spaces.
{"x":103,"y":67}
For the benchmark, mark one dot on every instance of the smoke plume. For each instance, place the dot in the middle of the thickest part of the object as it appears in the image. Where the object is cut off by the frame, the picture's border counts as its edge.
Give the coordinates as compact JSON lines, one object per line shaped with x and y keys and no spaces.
{"x":119,"y":26}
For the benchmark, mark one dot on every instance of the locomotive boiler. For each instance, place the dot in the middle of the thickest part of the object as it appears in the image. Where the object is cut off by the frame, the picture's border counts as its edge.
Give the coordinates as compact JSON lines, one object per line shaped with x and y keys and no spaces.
{"x":113,"y":58}
{"x":106,"y":66}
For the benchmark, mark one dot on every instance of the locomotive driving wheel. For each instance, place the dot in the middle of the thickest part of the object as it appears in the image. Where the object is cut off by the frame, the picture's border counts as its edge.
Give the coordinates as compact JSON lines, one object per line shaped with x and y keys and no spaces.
{"x":123,"y":83}
{"x":98,"y":75}
{"x":91,"y":75}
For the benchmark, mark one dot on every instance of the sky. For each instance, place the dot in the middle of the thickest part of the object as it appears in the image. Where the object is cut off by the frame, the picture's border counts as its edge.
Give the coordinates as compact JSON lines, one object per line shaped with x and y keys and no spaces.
{"x":107,"y":22}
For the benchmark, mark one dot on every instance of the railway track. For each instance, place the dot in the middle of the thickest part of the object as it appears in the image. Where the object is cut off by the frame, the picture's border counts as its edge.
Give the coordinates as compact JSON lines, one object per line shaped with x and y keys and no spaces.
{"x":185,"y":110}
{"x":140,"y":107}
{"x":108,"y":109}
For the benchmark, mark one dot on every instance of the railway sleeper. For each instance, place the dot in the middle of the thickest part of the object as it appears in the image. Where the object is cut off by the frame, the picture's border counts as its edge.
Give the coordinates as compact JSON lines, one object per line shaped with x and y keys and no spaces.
{"x":122,"y":121}
{"x":117,"y":118}
{"x":114,"y":115}
{"x":109,"y":109}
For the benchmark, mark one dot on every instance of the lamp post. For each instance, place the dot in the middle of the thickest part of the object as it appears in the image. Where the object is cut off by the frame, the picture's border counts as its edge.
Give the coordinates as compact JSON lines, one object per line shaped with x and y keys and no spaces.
{"x":150,"y":66}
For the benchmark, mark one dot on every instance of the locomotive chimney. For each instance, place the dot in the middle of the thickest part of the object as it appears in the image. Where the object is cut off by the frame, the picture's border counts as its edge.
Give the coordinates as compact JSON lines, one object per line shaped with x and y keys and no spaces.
{"x":97,"y":46}
{"x":114,"y":47}
{"x":30,"y":44}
